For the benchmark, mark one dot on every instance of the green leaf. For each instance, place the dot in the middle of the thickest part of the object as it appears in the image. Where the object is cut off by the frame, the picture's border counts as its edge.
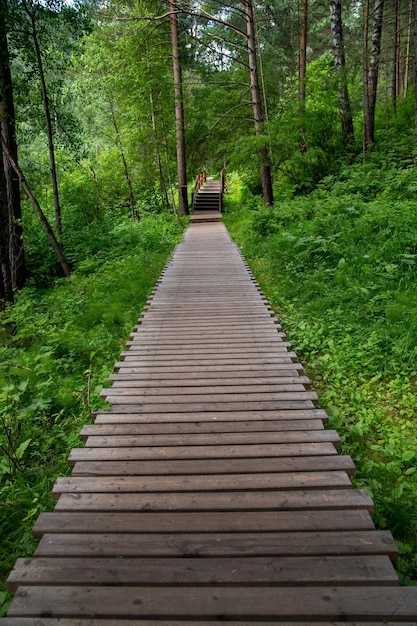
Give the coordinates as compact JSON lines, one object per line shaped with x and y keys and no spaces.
{"x":22,"y":448}
{"x":408,"y":455}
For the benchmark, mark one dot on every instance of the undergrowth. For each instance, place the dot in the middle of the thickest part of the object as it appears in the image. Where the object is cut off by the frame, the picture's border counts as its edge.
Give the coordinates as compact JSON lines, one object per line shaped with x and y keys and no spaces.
{"x":58,"y":346}
{"x":340,"y":266}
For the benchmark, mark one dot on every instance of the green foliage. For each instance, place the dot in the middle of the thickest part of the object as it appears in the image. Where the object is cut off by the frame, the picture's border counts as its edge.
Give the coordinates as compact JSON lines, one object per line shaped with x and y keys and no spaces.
{"x":306,"y":138}
{"x":58,"y":347}
{"x":340,"y":266}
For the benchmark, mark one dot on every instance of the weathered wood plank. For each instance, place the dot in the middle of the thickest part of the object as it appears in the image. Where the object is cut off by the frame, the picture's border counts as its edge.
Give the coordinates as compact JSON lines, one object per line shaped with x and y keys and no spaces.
{"x":206,"y":348}
{"x":326,"y":543}
{"x":347,"y":570}
{"x":113,"y":415}
{"x":186,"y":337}
{"x":259,"y":358}
{"x":296,"y":500}
{"x":221,"y":407}
{"x":137,"y":428}
{"x":213,"y":439}
{"x":214,"y":466}
{"x":329,"y":603}
{"x":267,"y":521}
{"x":201,"y":379}
{"x":201,"y":452}
{"x":199,"y":355}
{"x":213,"y":482}
{"x":120,"y":387}
{"x":187,"y":368}
{"x":87,"y":621}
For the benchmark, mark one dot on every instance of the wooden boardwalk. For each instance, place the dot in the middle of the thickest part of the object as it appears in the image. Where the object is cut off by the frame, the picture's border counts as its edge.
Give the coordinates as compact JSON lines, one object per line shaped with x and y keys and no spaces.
{"x":210,"y":490}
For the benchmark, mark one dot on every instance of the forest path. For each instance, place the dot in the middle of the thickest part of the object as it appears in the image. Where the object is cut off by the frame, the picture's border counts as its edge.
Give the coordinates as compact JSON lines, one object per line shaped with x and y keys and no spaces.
{"x":210,"y":490}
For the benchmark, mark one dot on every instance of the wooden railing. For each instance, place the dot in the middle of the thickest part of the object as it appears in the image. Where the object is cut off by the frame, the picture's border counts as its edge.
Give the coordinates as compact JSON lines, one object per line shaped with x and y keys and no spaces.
{"x":223,"y":179}
{"x":200,"y":179}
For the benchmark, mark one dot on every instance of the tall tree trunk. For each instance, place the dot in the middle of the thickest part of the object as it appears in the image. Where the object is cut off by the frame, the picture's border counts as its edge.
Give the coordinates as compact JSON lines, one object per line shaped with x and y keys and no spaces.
{"x":374,"y":69}
{"x":365,"y":75}
{"x":302,"y":55}
{"x":47,"y":112}
{"x":415,"y":65}
{"x":119,"y":145}
{"x":408,"y":49}
{"x":6,"y":287}
{"x":7,"y":125}
{"x":179,"y":112}
{"x":162,"y":185}
{"x":266,"y":179}
{"x":168,"y":171}
{"x":395,"y":54}
{"x":45,"y":224}
{"x":340,"y":64}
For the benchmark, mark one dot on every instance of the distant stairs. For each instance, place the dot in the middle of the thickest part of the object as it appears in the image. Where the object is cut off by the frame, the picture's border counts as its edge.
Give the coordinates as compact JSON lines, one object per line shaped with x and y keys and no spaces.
{"x":207,"y":204}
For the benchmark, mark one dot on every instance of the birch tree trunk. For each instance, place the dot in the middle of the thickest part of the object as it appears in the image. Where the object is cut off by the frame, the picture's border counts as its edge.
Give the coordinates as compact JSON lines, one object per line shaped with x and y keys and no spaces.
{"x":374,"y":70}
{"x":340,"y":65}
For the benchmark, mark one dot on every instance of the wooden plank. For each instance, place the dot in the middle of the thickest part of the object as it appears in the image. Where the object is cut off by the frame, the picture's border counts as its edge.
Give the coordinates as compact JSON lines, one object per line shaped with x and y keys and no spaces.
{"x":213,"y":439}
{"x":268,"y":337}
{"x":87,"y":621}
{"x":225,"y":407}
{"x":214,"y":466}
{"x":113,"y":415}
{"x":223,"y":359}
{"x":148,"y":336}
{"x":326,"y":543}
{"x":135,"y":428}
{"x":207,"y":522}
{"x":213,"y":482}
{"x":196,"y":355}
{"x":201,"y":452}
{"x":334,"y":570}
{"x":296,"y":500}
{"x":126,"y":388}
{"x":197,"y":379}
{"x":328,"y":603}
{"x":268,"y":346}
{"x":152,"y":368}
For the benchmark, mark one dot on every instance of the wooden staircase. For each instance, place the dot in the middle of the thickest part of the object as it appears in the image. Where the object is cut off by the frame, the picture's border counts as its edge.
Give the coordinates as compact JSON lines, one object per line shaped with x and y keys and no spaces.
{"x":207,"y":206}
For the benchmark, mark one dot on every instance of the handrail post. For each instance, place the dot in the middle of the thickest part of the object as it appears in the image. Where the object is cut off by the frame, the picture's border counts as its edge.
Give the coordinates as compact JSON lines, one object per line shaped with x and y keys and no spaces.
{"x":222,"y":188}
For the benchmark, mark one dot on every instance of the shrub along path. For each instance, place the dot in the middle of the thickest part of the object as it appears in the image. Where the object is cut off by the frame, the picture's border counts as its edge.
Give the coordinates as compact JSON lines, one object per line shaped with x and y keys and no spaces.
{"x":210,"y":489}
